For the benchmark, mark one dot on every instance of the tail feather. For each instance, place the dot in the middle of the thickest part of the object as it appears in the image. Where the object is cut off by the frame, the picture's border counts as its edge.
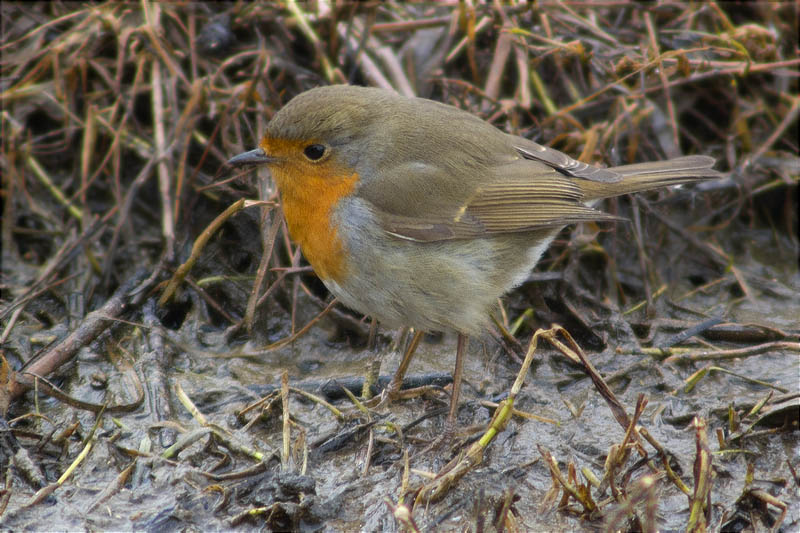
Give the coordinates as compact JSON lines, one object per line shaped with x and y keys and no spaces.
{"x":652,"y":175}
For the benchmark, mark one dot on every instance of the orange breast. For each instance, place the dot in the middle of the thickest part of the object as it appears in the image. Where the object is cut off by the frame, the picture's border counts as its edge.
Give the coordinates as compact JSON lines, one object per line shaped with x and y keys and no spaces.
{"x":308,"y":202}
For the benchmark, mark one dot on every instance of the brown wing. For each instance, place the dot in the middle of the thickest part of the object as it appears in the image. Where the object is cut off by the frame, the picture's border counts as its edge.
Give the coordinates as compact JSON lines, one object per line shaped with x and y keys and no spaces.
{"x":515,"y":197}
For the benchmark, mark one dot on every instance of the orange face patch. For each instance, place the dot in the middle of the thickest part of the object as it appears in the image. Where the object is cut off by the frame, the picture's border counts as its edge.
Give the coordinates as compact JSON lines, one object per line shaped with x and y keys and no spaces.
{"x":309,"y":193}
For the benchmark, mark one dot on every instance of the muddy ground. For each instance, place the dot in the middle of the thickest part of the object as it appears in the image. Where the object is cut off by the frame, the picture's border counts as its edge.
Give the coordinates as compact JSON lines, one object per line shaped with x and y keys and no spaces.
{"x":129,"y":406}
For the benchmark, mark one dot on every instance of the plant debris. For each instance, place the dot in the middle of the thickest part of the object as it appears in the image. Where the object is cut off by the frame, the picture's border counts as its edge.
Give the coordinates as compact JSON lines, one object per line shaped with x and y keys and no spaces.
{"x":168,"y":359}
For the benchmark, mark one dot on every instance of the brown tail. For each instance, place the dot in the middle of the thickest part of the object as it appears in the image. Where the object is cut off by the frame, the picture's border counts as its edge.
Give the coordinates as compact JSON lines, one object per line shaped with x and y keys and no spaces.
{"x":646,"y":176}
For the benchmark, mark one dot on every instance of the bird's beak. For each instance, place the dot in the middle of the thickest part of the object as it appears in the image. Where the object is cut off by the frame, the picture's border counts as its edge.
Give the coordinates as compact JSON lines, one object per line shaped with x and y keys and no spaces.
{"x":253,"y":157}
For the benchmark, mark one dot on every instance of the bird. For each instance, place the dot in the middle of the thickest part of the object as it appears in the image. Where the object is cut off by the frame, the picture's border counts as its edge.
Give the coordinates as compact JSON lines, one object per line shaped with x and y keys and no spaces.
{"x":420,"y":214}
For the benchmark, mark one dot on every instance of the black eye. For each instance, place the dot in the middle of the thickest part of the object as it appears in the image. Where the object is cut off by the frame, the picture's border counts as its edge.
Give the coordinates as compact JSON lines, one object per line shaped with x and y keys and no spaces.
{"x":314,"y":151}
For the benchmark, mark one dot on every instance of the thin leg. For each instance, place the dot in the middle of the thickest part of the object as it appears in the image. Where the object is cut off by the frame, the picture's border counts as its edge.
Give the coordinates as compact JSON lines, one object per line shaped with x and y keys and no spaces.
{"x":397,"y":380}
{"x":372,"y":340}
{"x":450,"y":424}
{"x":458,"y":372}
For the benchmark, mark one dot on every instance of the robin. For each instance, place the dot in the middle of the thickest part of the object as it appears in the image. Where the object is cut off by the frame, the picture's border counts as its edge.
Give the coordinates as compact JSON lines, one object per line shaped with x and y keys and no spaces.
{"x":420,"y":214}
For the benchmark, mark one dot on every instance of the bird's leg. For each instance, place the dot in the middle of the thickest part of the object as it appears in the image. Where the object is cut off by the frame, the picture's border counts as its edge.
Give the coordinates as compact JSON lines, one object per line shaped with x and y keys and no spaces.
{"x":372,"y":340}
{"x":450,"y":424}
{"x":452,"y":415}
{"x":397,"y":380}
{"x":458,"y":372}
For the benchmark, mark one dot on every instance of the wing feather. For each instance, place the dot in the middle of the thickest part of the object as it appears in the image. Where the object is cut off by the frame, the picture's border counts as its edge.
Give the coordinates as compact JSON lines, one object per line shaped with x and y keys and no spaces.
{"x":513,"y":197}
